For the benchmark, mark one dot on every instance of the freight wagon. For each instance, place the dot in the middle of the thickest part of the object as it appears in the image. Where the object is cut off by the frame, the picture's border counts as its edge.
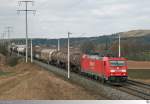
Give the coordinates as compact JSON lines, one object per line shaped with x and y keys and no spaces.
{"x":46,"y":54}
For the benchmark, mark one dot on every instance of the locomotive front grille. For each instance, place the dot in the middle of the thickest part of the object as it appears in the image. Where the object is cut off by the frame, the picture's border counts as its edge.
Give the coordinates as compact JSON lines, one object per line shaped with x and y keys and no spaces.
{"x":117,"y":78}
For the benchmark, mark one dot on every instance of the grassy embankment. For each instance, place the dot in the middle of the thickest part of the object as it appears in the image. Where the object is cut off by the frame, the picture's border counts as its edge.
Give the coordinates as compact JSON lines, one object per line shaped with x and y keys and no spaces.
{"x":139,"y":74}
{"x":2,"y":73}
{"x":7,"y":60}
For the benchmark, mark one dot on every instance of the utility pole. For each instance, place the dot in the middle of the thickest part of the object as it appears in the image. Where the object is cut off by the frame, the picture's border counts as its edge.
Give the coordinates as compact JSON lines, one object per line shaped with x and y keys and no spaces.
{"x":58,"y":45}
{"x":31,"y":52}
{"x":3,"y":36}
{"x":119,"y":47}
{"x":9,"y":29}
{"x":26,"y":13}
{"x":69,"y":55}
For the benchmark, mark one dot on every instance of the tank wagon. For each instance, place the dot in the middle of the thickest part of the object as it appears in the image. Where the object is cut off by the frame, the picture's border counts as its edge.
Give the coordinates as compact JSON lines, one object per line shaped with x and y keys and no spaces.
{"x":46,"y":55}
{"x":20,"y":49}
{"x":60,"y":58}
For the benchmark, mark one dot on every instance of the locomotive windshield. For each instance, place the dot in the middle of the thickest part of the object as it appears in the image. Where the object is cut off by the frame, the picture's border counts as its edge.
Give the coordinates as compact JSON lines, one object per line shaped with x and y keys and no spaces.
{"x":117,"y":63}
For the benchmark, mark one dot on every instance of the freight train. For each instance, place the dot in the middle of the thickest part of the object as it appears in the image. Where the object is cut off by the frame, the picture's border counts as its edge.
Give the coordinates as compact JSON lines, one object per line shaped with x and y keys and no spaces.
{"x":108,"y":69}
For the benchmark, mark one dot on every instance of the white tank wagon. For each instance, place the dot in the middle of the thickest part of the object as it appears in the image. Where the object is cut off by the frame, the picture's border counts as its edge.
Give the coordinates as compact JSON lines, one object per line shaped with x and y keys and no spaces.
{"x":21,"y":48}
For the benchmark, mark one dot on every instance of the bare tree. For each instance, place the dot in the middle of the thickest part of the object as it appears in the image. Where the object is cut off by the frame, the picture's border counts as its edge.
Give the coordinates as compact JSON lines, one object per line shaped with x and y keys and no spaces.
{"x":87,"y":47}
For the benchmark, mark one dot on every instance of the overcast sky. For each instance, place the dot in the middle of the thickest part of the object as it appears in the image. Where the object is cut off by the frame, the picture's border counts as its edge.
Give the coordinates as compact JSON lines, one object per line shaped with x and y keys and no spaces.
{"x":54,"y":18}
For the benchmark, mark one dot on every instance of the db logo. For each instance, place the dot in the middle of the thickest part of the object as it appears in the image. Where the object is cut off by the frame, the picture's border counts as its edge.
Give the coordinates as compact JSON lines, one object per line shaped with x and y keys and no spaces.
{"x":84,"y":56}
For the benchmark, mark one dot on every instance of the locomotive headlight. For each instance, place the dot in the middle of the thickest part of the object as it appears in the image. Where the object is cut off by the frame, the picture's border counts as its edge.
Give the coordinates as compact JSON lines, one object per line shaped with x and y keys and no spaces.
{"x":112,"y":71}
{"x":123,"y":70}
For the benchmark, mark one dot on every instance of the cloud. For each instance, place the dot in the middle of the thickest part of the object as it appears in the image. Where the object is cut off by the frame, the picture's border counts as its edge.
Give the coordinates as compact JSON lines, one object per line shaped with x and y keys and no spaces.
{"x":54,"y":18}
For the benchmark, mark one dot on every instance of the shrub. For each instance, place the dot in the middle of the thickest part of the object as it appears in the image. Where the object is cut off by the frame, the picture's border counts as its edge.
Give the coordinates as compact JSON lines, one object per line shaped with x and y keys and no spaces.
{"x":12,"y":61}
{"x":3,"y":50}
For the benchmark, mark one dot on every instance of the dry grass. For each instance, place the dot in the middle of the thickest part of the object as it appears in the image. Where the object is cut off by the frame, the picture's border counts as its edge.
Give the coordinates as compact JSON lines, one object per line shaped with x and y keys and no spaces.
{"x":138,"y":64}
{"x":140,"y":75}
{"x":33,"y":83}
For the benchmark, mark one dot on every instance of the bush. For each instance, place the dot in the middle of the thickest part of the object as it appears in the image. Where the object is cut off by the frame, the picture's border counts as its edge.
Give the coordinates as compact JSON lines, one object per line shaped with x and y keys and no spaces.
{"x":12,"y":61}
{"x":3,"y":50}
{"x":87,"y":47}
{"x":139,"y":57}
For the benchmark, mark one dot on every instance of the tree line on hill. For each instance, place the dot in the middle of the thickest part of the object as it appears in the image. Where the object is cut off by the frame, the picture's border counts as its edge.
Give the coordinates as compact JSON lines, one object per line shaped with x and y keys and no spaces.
{"x":133,"y":48}
{"x":137,"y":48}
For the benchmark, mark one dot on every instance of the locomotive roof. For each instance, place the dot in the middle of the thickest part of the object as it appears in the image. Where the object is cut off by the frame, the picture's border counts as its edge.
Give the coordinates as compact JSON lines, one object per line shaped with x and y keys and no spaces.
{"x":97,"y":56}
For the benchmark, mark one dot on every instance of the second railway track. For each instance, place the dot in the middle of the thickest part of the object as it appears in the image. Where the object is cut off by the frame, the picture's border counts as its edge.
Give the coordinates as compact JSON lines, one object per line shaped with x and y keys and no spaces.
{"x":139,"y":89}
{"x":136,"y":90}
{"x":140,"y":84}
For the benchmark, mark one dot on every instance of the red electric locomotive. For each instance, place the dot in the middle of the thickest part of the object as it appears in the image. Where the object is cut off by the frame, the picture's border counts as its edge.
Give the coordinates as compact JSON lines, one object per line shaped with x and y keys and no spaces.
{"x":108,"y":68}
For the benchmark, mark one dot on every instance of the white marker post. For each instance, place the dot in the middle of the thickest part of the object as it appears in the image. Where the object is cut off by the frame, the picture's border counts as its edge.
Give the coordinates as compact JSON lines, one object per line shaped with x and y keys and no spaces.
{"x":119,"y":47}
{"x":58,"y":45}
{"x":69,"y":55}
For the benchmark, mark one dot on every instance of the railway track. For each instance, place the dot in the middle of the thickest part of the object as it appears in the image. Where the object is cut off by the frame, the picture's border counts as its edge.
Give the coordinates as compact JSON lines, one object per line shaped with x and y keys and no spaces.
{"x":136,"y":88}
{"x":140,"y":84}
{"x":136,"y":91}
{"x":139,"y":89}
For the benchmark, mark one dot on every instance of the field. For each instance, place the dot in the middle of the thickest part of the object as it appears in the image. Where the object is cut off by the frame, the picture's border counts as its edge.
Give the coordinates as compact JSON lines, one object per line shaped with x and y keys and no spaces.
{"x":139,"y":73}
{"x":139,"y":70}
{"x":2,"y":73}
{"x":138,"y":64}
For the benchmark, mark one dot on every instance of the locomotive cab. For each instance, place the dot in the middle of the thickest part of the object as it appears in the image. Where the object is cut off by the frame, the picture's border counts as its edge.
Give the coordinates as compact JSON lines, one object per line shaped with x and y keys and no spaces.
{"x":116,"y":69}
